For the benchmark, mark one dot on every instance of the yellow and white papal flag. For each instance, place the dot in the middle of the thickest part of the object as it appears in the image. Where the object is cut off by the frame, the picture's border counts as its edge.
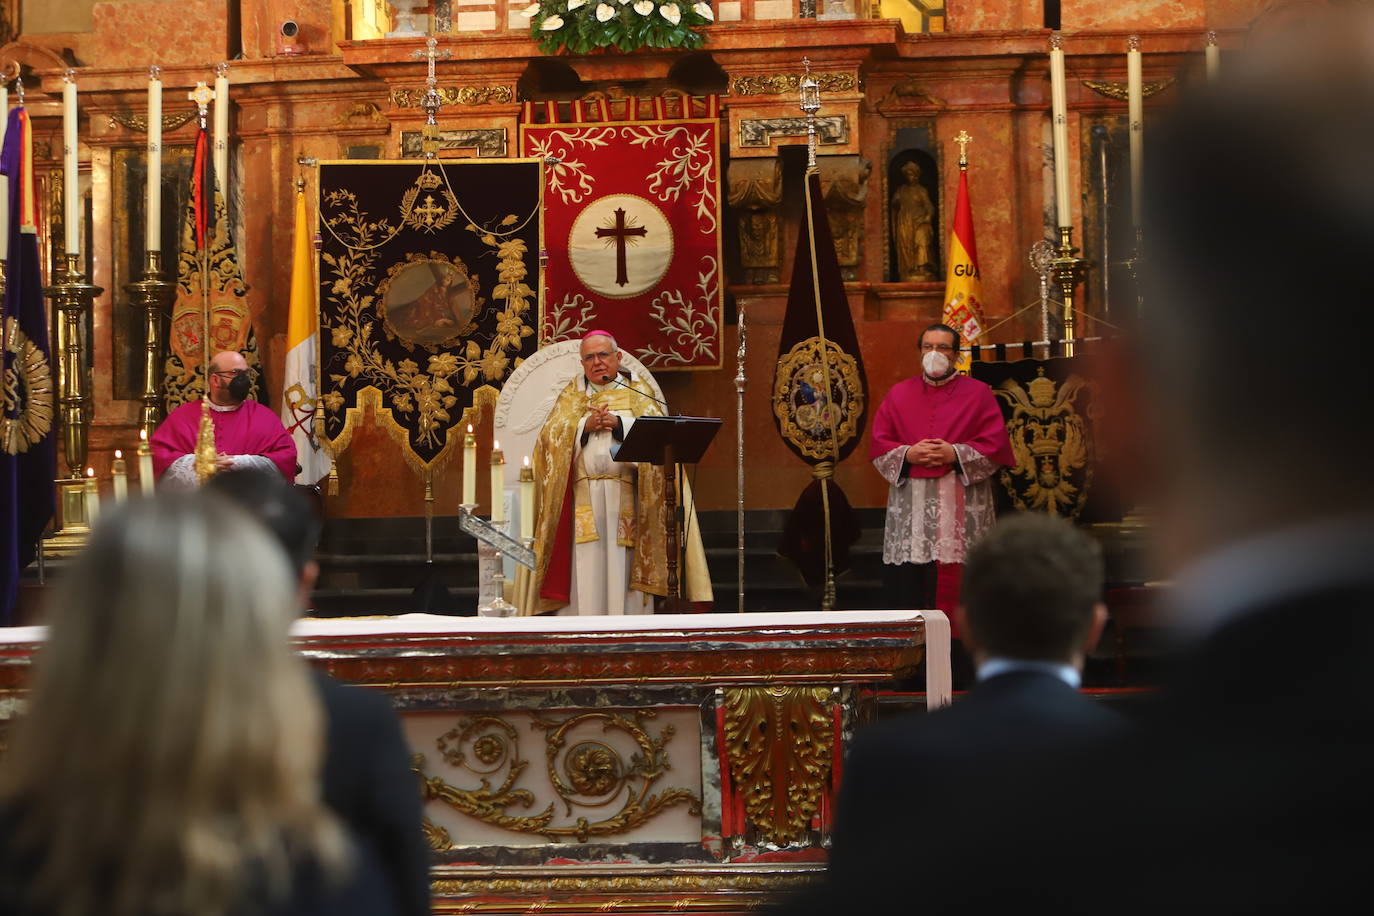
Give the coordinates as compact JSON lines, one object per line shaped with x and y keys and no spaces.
{"x":299,"y":381}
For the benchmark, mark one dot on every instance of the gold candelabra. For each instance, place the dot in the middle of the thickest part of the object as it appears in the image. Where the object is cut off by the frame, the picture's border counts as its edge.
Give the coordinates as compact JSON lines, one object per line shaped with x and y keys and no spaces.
{"x":153,"y":296}
{"x":1068,"y":271}
{"x":73,"y":298}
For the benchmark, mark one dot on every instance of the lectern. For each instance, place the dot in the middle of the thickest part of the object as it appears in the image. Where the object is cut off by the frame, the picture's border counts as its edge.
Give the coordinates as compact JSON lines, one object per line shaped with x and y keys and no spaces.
{"x":669,"y":441}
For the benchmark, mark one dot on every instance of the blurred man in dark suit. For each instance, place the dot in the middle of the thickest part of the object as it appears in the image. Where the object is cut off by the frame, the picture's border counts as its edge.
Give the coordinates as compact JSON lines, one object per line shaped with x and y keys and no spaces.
{"x":1030,"y":611}
{"x":1248,"y":789}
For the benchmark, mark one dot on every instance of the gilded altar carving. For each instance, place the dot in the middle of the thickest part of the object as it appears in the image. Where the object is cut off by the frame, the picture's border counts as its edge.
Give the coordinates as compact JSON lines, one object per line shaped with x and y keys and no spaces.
{"x":1051,"y":443}
{"x":779,"y":743}
{"x":586,"y":776}
{"x":844,"y":185}
{"x":790,"y":83}
{"x":549,"y":885}
{"x":1118,"y":91}
{"x":755,"y":192}
{"x":455,"y":95}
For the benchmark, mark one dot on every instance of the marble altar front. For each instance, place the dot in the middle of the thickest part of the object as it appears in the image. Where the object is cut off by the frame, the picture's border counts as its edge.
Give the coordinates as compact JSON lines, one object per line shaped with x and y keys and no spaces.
{"x":640,"y":763}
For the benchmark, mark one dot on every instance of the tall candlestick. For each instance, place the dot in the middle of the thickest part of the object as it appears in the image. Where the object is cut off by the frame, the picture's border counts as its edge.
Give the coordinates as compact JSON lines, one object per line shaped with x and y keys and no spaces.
{"x":221,"y":126}
{"x":4,"y":180}
{"x":498,"y":483}
{"x":92,"y":498}
{"x":1059,"y":115}
{"x":119,"y":476}
{"x":70,"y":175}
{"x":1212,"y":53}
{"x":145,"y":464}
{"x":469,"y":468}
{"x":153,"y":236}
{"x":527,"y":500}
{"x":1135,"y":116}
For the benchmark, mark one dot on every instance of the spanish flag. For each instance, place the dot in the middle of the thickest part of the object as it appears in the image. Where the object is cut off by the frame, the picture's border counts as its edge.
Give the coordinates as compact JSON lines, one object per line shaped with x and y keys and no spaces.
{"x":299,"y":382}
{"x":963,"y":309}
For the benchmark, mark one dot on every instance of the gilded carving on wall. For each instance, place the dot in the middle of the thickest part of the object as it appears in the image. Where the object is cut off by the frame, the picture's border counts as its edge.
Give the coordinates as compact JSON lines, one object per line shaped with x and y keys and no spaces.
{"x":138,"y":123}
{"x":586,"y":774}
{"x":779,"y":742}
{"x":790,"y":83}
{"x":455,"y":95}
{"x":844,"y":184}
{"x":755,"y":192}
{"x":1118,"y":91}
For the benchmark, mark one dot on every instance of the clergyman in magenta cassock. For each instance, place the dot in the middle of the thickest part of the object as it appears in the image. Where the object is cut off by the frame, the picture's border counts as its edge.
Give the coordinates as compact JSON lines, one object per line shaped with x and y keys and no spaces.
{"x":938,"y":438}
{"x":248,"y":435}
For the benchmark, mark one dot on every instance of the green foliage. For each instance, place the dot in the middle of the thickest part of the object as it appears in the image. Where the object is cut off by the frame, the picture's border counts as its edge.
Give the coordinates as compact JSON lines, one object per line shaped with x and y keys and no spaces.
{"x":627,"y":29}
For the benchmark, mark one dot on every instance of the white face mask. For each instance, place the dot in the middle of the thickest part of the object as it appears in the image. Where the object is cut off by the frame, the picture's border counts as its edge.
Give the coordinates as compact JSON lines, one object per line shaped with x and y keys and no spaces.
{"x":935,"y":364}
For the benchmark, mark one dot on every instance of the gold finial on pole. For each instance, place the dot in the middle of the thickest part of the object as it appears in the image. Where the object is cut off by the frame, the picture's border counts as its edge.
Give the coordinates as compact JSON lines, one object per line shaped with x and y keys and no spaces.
{"x":810,"y":104}
{"x":963,"y":139}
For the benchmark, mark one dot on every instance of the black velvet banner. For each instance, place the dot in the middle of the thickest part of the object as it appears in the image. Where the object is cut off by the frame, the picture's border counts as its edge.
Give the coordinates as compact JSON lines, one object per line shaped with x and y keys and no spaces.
{"x":429,"y":279}
{"x":1050,"y":406}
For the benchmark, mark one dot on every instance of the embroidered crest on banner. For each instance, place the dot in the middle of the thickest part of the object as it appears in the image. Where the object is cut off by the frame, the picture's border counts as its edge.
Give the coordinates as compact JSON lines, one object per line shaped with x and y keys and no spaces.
{"x":1053,"y":450}
{"x":803,"y":407}
{"x":28,"y":392}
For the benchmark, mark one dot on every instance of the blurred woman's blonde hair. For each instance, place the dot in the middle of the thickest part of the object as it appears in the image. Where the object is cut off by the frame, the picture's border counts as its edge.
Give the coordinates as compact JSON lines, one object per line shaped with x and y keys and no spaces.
{"x":172,"y":746}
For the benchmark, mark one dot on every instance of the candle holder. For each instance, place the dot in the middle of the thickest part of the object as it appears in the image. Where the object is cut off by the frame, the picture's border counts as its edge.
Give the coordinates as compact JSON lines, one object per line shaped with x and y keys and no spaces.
{"x":1068,"y":271}
{"x":73,"y":298}
{"x":153,"y":296}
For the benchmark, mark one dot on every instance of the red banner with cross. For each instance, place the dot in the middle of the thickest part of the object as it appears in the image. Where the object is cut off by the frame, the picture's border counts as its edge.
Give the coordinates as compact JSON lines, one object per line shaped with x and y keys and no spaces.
{"x":632,"y":229}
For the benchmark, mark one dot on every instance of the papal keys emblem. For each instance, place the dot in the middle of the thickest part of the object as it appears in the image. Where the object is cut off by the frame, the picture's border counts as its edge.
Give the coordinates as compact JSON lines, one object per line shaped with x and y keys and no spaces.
{"x":1052,"y":445}
{"x":808,"y":411}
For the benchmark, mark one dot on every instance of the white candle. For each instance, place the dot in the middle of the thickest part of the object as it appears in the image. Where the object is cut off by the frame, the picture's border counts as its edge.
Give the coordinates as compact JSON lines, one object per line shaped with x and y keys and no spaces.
{"x":498,"y":483}
{"x":469,"y":468}
{"x":153,"y":236}
{"x":92,"y":498}
{"x":1135,"y":116}
{"x":1059,"y":114}
{"x":145,"y":464}
{"x":527,"y":500}
{"x":4,"y":179}
{"x":119,"y":476}
{"x":1212,"y":54}
{"x":70,"y":175}
{"x":221,"y":127}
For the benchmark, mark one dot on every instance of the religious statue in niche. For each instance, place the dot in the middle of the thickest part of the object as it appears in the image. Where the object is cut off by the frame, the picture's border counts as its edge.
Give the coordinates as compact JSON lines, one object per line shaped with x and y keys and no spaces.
{"x":913,"y":228}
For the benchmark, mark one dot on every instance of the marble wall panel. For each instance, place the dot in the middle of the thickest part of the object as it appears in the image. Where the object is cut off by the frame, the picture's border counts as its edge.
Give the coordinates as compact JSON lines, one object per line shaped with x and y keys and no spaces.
{"x":1133,"y":14}
{"x":990,"y":15}
{"x":260,"y":26}
{"x":138,"y":34}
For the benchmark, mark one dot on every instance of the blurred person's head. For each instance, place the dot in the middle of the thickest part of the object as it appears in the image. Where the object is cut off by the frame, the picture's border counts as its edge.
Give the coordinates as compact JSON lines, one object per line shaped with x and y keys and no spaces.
{"x":173,"y":738}
{"x":1032,"y":590}
{"x":286,"y":512}
{"x":1260,"y":220}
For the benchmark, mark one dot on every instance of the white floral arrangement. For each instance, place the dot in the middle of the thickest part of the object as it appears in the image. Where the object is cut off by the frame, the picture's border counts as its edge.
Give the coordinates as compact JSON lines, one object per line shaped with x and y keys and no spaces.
{"x":584,"y":26}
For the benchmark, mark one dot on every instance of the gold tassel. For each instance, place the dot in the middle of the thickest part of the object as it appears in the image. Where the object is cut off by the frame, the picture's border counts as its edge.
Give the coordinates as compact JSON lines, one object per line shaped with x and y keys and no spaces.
{"x":333,"y":486}
{"x":207,"y":459}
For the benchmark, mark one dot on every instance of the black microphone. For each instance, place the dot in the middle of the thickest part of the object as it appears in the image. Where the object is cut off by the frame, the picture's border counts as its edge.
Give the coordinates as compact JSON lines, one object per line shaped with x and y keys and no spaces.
{"x":618,"y":381}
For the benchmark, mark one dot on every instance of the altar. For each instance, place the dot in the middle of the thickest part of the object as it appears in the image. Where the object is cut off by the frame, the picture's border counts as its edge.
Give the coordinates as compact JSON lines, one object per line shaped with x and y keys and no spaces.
{"x":639,"y":763}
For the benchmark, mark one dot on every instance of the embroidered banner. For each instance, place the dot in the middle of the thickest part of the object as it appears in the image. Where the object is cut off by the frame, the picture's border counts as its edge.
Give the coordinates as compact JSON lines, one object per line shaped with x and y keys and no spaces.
{"x":633,"y":236}
{"x":428,"y":278}
{"x":1050,"y":406}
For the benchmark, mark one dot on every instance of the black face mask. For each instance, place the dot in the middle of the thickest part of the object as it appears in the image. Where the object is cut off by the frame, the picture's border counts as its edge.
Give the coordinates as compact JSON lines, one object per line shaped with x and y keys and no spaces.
{"x":239,"y":387}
